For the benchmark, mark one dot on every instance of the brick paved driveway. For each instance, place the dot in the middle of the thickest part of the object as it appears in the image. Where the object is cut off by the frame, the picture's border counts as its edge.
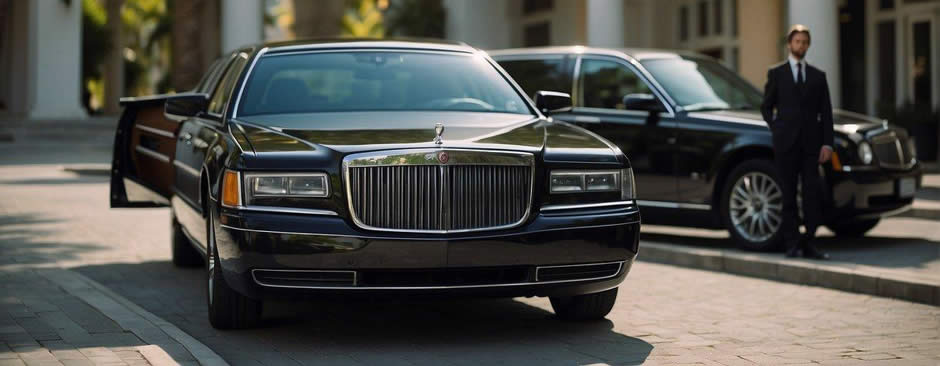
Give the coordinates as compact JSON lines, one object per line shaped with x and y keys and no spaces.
{"x":664,"y":314}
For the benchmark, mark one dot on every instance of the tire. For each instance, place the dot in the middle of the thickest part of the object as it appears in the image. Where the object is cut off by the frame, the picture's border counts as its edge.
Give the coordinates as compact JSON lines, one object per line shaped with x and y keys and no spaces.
{"x":585,"y":307}
{"x":228,"y":309}
{"x":853,"y":229}
{"x":752,"y":206}
{"x":184,"y":254}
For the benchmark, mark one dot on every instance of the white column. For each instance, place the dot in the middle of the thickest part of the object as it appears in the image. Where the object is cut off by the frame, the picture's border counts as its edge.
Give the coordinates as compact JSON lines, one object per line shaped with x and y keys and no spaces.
{"x":605,"y":23}
{"x":55,"y":64}
{"x":242,"y":23}
{"x":822,"y":18}
{"x":481,"y":24}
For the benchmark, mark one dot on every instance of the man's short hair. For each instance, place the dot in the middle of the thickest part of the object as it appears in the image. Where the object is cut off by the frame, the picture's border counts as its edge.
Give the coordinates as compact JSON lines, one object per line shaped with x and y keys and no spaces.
{"x":797,"y":28}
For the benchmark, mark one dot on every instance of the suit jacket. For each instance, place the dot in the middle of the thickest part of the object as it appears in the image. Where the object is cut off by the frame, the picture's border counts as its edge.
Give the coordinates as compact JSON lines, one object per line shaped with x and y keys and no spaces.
{"x":803,"y":113}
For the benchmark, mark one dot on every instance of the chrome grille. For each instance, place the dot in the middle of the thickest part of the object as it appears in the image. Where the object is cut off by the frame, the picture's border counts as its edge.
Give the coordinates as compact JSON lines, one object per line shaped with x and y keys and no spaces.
{"x":892,"y":150}
{"x":415,"y":191}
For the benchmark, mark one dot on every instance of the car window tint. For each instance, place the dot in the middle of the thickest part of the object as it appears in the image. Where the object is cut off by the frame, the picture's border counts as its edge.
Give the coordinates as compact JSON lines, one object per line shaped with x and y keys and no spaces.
{"x":604,"y":83}
{"x":377,"y":80}
{"x":208,"y":80}
{"x":224,"y":88}
{"x":539,"y":74}
{"x":703,"y":84}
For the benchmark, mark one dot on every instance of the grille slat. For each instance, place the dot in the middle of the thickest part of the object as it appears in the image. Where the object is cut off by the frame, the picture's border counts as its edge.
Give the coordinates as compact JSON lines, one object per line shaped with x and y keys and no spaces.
{"x":892,"y":149}
{"x":439,"y":198}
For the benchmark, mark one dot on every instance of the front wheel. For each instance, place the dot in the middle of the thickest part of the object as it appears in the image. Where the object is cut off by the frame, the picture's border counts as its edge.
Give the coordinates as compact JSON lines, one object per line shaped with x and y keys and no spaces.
{"x":752,"y":206}
{"x":585,"y":307}
{"x":853,"y":229}
{"x":228,"y":309}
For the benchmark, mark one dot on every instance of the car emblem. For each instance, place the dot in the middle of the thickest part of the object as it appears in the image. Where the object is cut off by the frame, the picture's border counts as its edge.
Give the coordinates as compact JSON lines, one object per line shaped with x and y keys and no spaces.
{"x":439,"y":130}
{"x":443,"y":157}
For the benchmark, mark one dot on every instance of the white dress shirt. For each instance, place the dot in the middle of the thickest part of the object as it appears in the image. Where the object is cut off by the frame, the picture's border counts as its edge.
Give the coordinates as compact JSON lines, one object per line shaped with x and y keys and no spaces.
{"x":794,"y":68}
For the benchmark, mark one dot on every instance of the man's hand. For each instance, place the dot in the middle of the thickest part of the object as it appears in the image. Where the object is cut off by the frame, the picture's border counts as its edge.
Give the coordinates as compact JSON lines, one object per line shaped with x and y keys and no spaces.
{"x":825,"y":153}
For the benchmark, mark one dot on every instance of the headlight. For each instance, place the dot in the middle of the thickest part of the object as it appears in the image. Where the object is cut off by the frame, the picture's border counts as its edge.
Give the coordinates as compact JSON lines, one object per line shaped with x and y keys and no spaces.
{"x":864,"y":152}
{"x":585,"y":181}
{"x":286,"y":185}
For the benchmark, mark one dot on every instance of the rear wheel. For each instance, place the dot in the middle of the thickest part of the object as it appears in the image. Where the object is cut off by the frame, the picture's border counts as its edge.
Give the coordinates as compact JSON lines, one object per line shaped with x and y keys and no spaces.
{"x":752,"y":206}
{"x":228,"y":309}
{"x":585,"y":307}
{"x":853,"y":229}
{"x":184,"y":254}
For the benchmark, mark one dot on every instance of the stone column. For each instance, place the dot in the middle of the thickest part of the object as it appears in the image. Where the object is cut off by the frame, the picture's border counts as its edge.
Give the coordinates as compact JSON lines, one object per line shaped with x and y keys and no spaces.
{"x":242,"y":23}
{"x":54,"y":85}
{"x":605,"y":23}
{"x":822,"y":18}
{"x":114,"y":66}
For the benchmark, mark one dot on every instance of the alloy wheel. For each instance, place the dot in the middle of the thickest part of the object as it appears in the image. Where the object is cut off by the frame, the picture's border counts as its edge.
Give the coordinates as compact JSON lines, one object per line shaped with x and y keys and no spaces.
{"x":756,"y":206}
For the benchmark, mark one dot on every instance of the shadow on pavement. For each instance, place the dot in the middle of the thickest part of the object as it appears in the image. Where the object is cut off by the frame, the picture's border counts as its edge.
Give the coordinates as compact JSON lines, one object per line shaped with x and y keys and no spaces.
{"x":375,"y":331}
{"x":18,"y":242}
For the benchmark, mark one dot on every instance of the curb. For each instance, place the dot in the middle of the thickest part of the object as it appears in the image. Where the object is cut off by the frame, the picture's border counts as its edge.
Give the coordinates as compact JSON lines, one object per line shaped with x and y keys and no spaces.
{"x":131,"y":317}
{"x":851,"y":278}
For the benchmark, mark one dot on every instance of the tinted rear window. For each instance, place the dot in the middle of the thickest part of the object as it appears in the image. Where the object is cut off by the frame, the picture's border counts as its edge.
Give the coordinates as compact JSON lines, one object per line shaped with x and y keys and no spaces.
{"x":377,"y":80}
{"x":533,"y":75}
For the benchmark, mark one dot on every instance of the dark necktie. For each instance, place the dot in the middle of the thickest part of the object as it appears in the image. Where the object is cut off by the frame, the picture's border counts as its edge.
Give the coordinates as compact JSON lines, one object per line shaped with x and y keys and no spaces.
{"x":799,"y":74}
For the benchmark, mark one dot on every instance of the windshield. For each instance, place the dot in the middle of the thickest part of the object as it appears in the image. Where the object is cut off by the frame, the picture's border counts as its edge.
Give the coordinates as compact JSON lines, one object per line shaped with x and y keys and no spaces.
{"x":700,"y":84}
{"x":377,"y":81}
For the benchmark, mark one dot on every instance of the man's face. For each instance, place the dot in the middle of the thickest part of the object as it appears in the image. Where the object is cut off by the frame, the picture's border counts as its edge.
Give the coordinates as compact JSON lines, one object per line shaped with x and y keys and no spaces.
{"x":798,"y":44}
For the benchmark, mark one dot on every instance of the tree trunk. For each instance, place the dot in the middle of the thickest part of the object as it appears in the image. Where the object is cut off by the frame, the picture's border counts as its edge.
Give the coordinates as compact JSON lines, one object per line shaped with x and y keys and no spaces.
{"x":187,"y":51}
{"x":114,"y":64}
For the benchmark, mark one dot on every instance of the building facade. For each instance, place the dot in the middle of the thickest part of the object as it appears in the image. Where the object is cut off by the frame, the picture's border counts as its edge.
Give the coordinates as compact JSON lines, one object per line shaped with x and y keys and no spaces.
{"x":873,"y":51}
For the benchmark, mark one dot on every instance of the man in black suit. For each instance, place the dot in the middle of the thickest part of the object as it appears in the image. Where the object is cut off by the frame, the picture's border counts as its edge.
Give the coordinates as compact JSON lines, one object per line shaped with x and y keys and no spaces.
{"x":802,"y":138}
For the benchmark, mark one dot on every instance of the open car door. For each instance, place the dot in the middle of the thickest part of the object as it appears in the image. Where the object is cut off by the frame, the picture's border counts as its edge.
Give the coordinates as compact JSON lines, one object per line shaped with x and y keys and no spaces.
{"x":144,"y":148}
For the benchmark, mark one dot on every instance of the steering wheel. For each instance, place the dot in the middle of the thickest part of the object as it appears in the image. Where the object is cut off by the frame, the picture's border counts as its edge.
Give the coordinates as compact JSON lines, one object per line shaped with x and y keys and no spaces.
{"x":468,"y":103}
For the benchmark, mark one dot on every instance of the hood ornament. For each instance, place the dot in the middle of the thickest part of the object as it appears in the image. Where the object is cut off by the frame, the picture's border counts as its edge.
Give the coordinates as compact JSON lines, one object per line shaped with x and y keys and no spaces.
{"x":439,"y":130}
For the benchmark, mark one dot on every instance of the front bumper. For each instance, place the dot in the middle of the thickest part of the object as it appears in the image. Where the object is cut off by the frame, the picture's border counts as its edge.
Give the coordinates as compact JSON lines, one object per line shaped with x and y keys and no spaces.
{"x":498,"y":263}
{"x":869,"y":192}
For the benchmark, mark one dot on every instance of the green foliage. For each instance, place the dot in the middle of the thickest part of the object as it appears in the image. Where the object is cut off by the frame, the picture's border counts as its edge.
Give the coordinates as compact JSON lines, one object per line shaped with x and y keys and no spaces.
{"x":96,"y":43}
{"x":363,"y":20}
{"x":417,"y":18}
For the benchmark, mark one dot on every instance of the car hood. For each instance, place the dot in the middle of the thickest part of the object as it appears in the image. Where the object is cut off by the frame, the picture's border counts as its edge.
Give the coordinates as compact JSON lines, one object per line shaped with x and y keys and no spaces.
{"x":843,"y":121}
{"x":350,"y":132}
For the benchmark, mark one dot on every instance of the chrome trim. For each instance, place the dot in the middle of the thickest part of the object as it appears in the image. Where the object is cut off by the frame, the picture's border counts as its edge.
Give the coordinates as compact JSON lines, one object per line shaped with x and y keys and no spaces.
{"x":575,"y":83}
{"x":255,"y":278}
{"x":619,"y":268}
{"x":428,"y":157}
{"x":152,"y":154}
{"x":241,"y":88}
{"x":288,"y":210}
{"x":420,"y":238}
{"x":186,"y":168}
{"x":510,"y":284}
{"x":549,"y":208}
{"x":726,"y":118}
{"x":155,"y":131}
{"x":664,"y":204}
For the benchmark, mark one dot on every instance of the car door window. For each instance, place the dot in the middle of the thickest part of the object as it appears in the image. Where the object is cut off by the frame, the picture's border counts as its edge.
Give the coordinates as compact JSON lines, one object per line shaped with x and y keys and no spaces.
{"x":224,"y":89}
{"x":543,"y":73}
{"x":604,"y":83}
{"x":208,"y":80}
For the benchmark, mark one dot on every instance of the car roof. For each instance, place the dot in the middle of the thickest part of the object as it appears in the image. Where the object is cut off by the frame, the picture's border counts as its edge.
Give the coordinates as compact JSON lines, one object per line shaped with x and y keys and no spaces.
{"x":353,"y":43}
{"x":638,"y":54}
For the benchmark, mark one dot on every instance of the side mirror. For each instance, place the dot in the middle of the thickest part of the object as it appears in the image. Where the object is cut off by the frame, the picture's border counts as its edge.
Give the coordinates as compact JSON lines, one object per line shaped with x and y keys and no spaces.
{"x":185,"y":105}
{"x":643,"y":102}
{"x":549,"y":102}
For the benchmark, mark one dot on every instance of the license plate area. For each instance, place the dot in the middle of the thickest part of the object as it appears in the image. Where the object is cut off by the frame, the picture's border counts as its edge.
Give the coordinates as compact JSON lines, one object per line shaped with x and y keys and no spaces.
{"x":906,"y":187}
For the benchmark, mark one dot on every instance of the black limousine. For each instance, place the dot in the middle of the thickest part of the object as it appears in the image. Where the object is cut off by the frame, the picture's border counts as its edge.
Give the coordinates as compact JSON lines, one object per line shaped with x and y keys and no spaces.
{"x":700,"y":149}
{"x":342,"y":167}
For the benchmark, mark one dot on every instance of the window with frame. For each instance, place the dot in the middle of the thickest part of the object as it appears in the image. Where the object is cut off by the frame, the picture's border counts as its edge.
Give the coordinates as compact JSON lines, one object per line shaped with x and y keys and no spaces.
{"x":544,"y":73}
{"x":604,"y":83}
{"x":224,"y":88}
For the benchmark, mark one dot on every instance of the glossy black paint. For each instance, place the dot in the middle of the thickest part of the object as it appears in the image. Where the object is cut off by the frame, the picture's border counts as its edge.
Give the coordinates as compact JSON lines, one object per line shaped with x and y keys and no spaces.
{"x":681,"y":159}
{"x":209,"y":143}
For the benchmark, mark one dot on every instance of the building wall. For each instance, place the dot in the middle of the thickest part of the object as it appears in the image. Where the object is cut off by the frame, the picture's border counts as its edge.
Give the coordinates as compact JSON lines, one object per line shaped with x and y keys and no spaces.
{"x":760,"y":38}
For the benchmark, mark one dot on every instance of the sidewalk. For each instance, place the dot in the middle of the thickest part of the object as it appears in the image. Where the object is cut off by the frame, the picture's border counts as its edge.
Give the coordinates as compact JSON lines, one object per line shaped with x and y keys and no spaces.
{"x":894,"y":260}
